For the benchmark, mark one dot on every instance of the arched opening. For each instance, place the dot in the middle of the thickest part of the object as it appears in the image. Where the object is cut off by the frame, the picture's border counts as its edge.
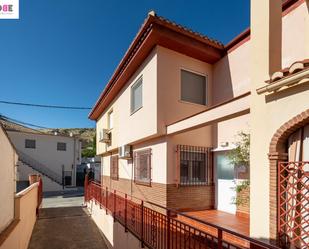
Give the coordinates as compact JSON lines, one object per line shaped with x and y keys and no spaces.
{"x":289,"y":182}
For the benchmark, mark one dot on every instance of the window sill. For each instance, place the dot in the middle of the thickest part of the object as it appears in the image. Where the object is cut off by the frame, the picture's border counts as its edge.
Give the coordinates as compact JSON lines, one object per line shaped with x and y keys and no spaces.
{"x":195,"y":184}
{"x":191,"y":103}
{"x":147,"y":184}
{"x":132,"y":112}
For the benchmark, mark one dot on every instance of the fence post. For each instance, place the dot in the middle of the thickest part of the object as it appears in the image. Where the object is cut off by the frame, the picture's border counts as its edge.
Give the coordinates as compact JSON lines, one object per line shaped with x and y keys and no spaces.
{"x":142,"y":224}
{"x":168,"y":237}
{"x":106,"y":199}
{"x":86,"y":189}
{"x":40,"y":189}
{"x":125,"y":212}
{"x":219,"y":239}
{"x":101,"y":202}
{"x":114,"y":205}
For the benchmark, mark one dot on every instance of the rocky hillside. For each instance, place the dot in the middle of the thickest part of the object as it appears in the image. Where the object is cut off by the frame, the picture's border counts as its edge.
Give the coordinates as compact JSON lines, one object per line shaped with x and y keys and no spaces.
{"x":85,"y":134}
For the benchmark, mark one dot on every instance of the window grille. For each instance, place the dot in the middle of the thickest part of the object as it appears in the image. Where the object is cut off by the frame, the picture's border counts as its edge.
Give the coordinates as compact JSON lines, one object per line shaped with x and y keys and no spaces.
{"x":142,"y":167}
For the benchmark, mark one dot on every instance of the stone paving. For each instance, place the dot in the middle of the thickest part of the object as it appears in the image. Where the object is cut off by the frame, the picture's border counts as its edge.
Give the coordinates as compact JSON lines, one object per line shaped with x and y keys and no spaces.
{"x":65,"y":224}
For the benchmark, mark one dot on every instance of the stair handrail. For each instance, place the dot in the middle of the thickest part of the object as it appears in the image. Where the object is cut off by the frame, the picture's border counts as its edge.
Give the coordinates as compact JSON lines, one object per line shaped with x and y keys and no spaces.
{"x":40,"y":167}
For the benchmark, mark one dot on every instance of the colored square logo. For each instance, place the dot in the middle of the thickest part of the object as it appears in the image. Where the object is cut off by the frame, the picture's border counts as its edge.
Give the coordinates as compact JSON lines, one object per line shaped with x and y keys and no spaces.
{"x":9,"y":9}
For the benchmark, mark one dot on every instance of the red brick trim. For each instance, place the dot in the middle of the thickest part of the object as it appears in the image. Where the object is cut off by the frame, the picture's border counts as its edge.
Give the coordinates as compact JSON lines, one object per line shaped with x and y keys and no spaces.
{"x":277,"y":152}
{"x":290,"y":6}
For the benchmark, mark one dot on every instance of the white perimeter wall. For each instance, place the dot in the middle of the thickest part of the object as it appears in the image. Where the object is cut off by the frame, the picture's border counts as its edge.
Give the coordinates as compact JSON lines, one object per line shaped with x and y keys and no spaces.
{"x":8,"y":159}
{"x":113,"y":232}
{"x":48,"y":185}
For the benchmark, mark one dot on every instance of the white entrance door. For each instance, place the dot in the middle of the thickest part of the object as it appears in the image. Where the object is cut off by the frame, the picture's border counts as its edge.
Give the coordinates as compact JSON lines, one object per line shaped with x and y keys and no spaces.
{"x":225,"y":185}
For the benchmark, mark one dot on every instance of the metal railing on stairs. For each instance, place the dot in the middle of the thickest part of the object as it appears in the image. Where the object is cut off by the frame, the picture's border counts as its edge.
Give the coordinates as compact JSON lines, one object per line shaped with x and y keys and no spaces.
{"x":39,"y":167}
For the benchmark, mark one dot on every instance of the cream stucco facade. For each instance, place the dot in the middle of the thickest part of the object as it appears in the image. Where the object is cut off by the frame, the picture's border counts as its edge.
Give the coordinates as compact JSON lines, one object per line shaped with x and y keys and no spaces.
{"x":270,"y":112}
{"x":276,"y":40}
{"x":7,"y":180}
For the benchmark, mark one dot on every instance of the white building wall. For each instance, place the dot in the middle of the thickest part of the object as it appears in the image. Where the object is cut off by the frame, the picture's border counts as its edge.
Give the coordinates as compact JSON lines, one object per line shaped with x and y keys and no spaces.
{"x":8,"y":160}
{"x":113,"y":232}
{"x":130,"y":127}
{"x":46,"y":152}
{"x":48,"y":185}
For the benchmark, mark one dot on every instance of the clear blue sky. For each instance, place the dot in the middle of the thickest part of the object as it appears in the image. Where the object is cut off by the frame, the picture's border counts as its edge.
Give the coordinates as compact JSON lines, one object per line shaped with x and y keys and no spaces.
{"x":62,"y":52}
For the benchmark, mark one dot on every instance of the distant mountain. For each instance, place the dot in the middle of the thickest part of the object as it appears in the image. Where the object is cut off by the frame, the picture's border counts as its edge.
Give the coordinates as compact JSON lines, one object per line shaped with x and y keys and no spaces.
{"x":85,"y":134}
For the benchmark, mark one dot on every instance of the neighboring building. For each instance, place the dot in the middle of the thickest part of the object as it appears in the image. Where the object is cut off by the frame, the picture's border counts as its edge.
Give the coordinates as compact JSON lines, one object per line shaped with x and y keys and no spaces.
{"x":176,"y":102}
{"x":54,"y":156}
{"x":8,"y":161}
{"x":89,"y":164}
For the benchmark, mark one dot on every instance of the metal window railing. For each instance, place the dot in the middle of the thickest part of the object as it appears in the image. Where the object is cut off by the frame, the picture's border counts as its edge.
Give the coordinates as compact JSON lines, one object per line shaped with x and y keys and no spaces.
{"x":160,"y":228}
{"x":142,"y":167}
{"x":194,"y":165}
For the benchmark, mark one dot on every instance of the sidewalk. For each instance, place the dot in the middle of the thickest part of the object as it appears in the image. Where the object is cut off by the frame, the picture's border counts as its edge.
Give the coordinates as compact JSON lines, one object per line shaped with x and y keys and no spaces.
{"x":64,"y":223}
{"x":65,"y":228}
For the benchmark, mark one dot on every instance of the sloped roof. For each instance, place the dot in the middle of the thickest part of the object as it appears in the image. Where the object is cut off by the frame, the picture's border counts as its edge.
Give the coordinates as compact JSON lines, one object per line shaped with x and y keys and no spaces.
{"x":157,"y":30}
{"x":216,"y":50}
{"x":11,"y":126}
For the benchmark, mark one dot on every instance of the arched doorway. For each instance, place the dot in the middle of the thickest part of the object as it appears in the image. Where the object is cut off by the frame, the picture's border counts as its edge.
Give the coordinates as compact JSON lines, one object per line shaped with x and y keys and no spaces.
{"x":289,"y":182}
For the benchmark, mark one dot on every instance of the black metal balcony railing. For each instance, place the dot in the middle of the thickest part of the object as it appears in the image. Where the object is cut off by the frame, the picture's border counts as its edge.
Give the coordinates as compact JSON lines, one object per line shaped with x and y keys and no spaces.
{"x":160,"y":228}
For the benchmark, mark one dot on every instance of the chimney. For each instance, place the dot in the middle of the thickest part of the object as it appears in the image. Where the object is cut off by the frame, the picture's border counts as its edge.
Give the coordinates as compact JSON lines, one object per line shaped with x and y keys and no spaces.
{"x":266,"y":36}
{"x":151,"y":13}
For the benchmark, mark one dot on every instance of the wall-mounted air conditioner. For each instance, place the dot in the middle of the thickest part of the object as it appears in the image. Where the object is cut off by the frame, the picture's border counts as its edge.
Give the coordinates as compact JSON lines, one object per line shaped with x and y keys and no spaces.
{"x":105,"y":136}
{"x":125,"y":152}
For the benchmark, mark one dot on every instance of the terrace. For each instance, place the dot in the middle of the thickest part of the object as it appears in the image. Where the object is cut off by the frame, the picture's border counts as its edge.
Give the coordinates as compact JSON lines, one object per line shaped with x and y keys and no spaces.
{"x":158,"y":227}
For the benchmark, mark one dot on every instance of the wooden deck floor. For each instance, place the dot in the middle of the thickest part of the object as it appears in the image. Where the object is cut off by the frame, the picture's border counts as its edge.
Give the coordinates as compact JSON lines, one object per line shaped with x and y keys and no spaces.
{"x":223,"y":219}
{"x":229,"y":221}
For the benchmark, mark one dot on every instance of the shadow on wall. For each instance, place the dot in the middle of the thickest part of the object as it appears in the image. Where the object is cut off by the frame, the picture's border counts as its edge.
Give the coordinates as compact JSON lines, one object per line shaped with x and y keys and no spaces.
{"x":222,"y":88}
{"x":286,"y":92}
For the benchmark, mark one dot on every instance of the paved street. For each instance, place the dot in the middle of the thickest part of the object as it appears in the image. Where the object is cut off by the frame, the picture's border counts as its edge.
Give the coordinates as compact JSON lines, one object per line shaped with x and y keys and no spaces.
{"x":65,"y":224}
{"x":64,"y":199}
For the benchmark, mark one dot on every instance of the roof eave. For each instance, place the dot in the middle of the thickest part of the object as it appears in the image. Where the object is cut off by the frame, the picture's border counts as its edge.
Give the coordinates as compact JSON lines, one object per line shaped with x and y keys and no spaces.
{"x":141,"y":40}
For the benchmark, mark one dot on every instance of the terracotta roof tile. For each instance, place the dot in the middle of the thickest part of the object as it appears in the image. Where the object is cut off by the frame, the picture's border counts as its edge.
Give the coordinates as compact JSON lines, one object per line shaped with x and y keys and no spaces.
{"x":186,"y":29}
{"x":295,"y":67}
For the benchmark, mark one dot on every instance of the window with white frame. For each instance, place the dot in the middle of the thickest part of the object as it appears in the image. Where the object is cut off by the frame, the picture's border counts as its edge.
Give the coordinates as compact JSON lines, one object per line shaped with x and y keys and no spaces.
{"x":137,"y":95}
{"x":110,"y":120}
{"x":193,"y":87}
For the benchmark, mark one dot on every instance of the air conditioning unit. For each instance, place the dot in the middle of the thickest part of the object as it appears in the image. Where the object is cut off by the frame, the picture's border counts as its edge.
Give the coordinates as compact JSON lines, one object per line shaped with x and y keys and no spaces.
{"x":125,"y":151}
{"x":105,"y":136}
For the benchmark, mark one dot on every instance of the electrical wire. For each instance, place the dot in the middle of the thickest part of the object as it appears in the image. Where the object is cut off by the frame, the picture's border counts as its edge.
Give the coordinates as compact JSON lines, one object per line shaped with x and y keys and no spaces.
{"x":45,"y":106}
{"x":21,"y":122}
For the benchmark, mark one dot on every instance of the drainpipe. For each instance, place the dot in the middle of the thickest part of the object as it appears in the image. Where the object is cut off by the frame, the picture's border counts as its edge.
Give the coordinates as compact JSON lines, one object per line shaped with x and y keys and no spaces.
{"x":62,"y":176}
{"x":74,"y":164}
